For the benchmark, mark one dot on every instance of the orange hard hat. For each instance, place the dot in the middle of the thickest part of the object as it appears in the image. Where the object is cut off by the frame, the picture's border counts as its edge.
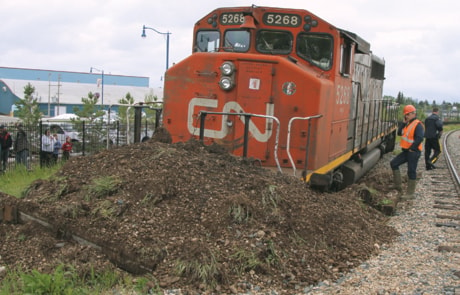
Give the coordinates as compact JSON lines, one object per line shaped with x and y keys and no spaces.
{"x":408,"y":109}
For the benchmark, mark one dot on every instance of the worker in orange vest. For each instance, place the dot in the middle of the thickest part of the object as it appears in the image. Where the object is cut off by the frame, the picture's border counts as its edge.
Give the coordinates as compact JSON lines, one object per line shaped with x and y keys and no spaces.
{"x":412,"y":132}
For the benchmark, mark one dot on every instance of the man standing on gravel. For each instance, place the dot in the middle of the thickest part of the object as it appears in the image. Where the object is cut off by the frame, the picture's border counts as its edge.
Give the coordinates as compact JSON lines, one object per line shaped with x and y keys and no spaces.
{"x":412,"y":133}
{"x":433,"y":132}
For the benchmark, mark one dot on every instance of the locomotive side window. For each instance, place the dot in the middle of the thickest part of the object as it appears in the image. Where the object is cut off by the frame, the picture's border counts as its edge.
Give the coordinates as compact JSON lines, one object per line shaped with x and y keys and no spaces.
{"x":274,"y":42}
{"x":316,"y":49}
{"x":207,"y":41}
{"x":345,"y":56}
{"x":236,"y":40}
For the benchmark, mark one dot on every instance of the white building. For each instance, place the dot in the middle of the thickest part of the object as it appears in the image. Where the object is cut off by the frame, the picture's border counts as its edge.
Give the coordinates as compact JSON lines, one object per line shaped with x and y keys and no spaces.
{"x":59,"y":91}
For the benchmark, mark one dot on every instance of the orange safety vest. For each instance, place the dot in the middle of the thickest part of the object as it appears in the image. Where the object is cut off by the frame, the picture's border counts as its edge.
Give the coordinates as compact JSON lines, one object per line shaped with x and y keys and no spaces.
{"x":407,"y":137}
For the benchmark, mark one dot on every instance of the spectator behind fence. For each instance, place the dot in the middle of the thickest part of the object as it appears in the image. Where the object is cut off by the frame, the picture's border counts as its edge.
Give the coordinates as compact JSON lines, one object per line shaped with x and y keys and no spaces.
{"x":21,"y":146}
{"x":46,"y":154}
{"x":66,"y":148}
{"x":5,"y":142}
{"x":56,"y":148}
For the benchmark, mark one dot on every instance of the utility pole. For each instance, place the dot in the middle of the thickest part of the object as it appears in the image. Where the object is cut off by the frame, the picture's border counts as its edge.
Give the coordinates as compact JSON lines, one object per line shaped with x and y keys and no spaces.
{"x":59,"y":93}
{"x":49,"y":93}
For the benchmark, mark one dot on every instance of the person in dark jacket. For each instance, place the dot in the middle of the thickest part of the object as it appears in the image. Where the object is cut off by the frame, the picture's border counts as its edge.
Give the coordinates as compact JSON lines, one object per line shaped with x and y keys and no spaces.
{"x":412,"y":133}
{"x":21,"y":146}
{"x":433,"y":132}
{"x":6,"y":143}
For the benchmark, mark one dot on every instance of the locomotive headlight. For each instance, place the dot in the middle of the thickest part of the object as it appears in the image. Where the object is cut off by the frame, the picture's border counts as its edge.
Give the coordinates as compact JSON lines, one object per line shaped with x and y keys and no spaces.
{"x":226,"y":83}
{"x":227,"y":68}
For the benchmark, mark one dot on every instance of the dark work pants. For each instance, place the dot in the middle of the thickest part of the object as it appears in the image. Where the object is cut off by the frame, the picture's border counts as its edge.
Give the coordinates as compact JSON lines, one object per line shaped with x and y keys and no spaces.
{"x":411,"y":158}
{"x":431,"y":144}
{"x":5,"y":153}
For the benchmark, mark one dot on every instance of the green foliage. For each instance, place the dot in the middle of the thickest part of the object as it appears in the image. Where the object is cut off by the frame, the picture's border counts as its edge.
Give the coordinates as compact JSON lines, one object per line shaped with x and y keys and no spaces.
{"x":239,"y":213}
{"x":59,"y":282}
{"x":16,"y":182}
{"x":245,"y":261}
{"x":270,"y":198}
{"x":28,"y":109}
{"x":127,"y":100}
{"x":385,"y":202}
{"x":151,"y":111}
{"x":205,"y":270}
{"x":253,"y":260}
{"x":103,"y":186}
{"x":67,"y":280}
{"x":271,"y":255}
{"x":105,"y":209}
{"x":90,"y":111}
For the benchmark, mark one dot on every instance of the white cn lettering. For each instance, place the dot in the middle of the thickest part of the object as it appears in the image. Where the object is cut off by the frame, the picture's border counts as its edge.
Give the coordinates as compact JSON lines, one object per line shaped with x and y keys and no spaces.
{"x":228,"y":107}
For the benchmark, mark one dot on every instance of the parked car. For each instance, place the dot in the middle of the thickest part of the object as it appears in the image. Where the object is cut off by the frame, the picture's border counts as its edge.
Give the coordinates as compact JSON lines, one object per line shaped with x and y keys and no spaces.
{"x":63,"y":130}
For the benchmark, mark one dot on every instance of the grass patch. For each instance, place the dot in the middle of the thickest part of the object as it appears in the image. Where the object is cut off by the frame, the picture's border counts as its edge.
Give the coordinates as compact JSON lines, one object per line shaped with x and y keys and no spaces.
{"x":246,"y":261}
{"x":385,"y":202}
{"x":239,"y":213}
{"x":65,"y":280}
{"x":205,"y":270}
{"x":15,"y":181}
{"x":270,"y":198}
{"x":103,"y":187}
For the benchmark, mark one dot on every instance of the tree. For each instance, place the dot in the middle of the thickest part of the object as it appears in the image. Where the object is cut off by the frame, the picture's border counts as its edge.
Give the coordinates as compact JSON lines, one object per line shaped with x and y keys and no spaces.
{"x":27,"y":109}
{"x":89,"y":111}
{"x":400,"y":98}
{"x":154,"y":106}
{"x":127,"y":100}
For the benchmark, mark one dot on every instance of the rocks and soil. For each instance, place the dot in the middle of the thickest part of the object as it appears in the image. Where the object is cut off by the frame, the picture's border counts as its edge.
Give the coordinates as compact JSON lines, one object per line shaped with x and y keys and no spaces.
{"x":194,"y":218}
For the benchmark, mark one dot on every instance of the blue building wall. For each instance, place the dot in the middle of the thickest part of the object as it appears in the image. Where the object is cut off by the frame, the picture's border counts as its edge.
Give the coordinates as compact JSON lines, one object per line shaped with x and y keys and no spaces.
{"x":8,"y":98}
{"x":71,"y":77}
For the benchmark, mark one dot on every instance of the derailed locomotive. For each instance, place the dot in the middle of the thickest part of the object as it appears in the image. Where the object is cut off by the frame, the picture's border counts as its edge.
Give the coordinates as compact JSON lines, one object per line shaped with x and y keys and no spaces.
{"x":286,"y":89}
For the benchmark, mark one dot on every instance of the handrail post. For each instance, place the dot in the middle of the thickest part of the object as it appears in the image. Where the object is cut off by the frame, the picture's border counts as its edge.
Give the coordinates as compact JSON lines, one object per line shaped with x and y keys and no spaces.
{"x":247,"y":117}
{"x":202,"y":120}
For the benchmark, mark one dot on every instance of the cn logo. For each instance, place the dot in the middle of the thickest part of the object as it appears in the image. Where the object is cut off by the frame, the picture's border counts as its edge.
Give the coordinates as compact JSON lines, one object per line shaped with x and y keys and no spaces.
{"x":228,"y":107}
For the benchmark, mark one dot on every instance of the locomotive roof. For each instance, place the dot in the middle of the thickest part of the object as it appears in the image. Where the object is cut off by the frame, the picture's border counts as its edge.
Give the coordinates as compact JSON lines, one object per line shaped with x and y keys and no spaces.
{"x":362,"y":45}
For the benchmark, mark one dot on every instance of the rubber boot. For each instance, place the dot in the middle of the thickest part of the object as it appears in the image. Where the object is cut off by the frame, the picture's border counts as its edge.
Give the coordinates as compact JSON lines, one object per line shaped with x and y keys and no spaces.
{"x":397,"y":180}
{"x":410,"y":194}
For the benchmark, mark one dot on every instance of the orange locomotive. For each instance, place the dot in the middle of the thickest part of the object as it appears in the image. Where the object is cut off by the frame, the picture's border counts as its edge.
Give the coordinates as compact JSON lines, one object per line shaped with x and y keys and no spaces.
{"x":286,"y":88}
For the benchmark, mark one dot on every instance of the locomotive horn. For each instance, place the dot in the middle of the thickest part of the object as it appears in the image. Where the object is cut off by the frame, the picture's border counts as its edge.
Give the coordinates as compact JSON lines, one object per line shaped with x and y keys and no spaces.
{"x":248,"y":22}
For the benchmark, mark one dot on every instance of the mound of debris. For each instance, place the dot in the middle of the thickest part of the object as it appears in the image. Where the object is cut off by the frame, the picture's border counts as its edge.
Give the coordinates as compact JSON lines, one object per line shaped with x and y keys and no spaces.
{"x":192,"y":217}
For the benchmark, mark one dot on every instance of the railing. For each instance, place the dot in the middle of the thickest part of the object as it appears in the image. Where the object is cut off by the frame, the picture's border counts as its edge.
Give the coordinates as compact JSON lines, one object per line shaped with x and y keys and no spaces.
{"x":307,"y":148}
{"x":247,"y":118}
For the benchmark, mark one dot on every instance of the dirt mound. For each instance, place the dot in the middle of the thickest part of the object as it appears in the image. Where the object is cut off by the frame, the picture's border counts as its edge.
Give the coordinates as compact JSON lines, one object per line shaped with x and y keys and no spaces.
{"x":193,"y":217}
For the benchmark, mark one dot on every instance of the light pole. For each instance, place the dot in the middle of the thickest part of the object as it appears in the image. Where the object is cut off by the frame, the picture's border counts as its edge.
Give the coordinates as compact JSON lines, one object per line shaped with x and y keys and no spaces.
{"x":102,"y":83}
{"x":167,"y":41}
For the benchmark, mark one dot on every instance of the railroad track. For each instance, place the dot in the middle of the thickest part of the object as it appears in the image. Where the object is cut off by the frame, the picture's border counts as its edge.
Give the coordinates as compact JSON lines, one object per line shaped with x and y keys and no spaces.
{"x":444,"y":185}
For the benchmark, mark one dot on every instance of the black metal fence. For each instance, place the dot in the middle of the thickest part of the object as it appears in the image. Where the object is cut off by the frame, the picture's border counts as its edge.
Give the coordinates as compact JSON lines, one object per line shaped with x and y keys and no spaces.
{"x":87,"y":138}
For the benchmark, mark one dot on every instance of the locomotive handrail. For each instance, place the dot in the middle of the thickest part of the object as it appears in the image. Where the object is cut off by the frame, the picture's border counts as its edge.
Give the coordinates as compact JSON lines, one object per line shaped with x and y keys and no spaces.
{"x":247,"y":117}
{"x":308,"y":139}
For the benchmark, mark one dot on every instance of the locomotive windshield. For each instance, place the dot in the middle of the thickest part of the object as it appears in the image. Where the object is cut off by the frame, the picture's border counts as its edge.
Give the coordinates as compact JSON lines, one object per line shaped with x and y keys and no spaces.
{"x":316,"y":49}
{"x":207,"y":41}
{"x":237,"y":40}
{"x":274,"y":42}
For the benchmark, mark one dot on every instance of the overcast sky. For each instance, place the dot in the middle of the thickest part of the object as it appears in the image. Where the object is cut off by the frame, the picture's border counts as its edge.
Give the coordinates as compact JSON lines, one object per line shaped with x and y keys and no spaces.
{"x":419,"y":39}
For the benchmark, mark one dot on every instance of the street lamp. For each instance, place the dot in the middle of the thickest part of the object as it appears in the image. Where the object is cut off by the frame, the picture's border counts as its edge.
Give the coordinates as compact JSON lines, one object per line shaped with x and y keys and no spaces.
{"x":102,"y":82}
{"x":167,"y":41}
